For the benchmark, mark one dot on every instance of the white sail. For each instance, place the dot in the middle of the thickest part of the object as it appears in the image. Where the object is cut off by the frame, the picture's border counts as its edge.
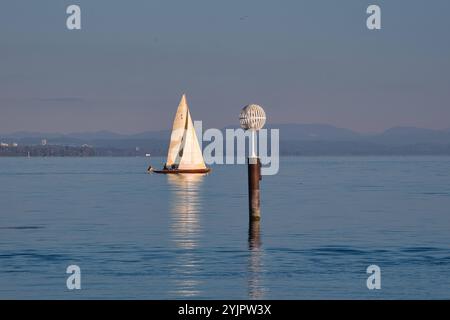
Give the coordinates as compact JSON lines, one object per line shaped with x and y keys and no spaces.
{"x":178,"y":130}
{"x":192,"y":157}
{"x":184,"y":149}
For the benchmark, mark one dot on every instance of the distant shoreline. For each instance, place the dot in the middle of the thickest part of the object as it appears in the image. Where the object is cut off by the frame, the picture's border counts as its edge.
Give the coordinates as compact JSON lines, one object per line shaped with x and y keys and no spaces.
{"x":295,"y":140}
{"x":73,"y":152}
{"x":158,"y":147}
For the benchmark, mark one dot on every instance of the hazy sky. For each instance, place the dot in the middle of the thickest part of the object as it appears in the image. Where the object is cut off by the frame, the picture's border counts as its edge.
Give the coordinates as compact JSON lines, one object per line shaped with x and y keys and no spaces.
{"x":308,"y":61}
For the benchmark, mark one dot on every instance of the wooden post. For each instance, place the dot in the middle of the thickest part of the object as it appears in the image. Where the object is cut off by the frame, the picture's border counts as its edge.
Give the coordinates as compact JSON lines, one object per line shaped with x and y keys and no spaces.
{"x":254,"y":176}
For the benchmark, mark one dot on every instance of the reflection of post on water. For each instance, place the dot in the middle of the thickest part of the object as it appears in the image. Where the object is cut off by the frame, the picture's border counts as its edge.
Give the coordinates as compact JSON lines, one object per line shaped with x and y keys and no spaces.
{"x":255,"y":288}
{"x":185,"y":227}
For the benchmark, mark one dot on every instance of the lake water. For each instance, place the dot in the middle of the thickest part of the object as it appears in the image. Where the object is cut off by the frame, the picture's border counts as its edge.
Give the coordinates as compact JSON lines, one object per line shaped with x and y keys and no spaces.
{"x":134,"y":235}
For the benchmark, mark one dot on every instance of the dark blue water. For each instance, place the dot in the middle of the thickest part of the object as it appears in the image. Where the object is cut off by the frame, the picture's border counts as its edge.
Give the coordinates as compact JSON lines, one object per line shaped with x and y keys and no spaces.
{"x":325,"y":220}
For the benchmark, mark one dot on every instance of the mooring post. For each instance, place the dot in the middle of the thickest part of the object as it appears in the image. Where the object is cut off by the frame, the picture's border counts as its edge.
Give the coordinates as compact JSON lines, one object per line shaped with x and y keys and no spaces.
{"x":254,"y":194}
{"x":253,"y":118}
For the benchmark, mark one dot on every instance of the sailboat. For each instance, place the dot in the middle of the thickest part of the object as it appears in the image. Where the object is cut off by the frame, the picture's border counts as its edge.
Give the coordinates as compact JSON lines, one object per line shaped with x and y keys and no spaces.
{"x":184,"y":155}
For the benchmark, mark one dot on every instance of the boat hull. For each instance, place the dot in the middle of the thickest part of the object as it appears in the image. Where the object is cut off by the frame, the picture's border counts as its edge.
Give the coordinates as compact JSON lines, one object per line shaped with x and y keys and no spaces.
{"x":176,"y":171}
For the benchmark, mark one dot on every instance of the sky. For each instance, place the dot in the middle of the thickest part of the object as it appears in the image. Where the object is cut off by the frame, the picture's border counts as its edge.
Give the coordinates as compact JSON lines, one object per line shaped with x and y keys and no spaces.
{"x":311,"y":61}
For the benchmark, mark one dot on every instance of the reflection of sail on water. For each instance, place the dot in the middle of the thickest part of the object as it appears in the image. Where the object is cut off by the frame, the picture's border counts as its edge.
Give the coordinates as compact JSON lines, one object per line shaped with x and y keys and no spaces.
{"x":185,"y":209}
{"x":185,"y":231}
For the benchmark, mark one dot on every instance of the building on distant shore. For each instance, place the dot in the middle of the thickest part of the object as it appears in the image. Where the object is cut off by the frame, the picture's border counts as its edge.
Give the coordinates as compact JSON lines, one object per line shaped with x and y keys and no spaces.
{"x":44,"y":142}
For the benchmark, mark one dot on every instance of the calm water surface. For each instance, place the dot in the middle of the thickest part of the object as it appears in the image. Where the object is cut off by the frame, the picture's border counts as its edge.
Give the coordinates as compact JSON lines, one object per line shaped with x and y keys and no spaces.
{"x":153,"y":236}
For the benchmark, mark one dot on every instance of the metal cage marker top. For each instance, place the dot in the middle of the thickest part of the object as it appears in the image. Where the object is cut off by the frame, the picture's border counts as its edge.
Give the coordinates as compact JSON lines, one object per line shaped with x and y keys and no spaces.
{"x":253,"y":118}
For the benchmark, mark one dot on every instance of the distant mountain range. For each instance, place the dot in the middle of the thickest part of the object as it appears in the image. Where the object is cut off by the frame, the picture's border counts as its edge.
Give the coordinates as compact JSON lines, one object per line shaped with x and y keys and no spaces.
{"x":396,"y":135}
{"x":296,"y":139}
{"x":97,"y":135}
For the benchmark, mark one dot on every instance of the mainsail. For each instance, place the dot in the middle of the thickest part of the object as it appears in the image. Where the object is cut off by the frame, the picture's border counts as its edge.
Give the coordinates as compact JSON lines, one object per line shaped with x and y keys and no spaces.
{"x":184,"y":149}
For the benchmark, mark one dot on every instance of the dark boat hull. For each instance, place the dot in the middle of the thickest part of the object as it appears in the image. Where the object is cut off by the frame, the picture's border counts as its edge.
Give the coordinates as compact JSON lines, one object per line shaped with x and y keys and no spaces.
{"x":176,"y":171}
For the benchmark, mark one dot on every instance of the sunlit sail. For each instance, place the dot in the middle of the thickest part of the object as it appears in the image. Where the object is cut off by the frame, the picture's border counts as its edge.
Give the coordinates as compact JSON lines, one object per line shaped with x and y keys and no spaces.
{"x":184,"y":154}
